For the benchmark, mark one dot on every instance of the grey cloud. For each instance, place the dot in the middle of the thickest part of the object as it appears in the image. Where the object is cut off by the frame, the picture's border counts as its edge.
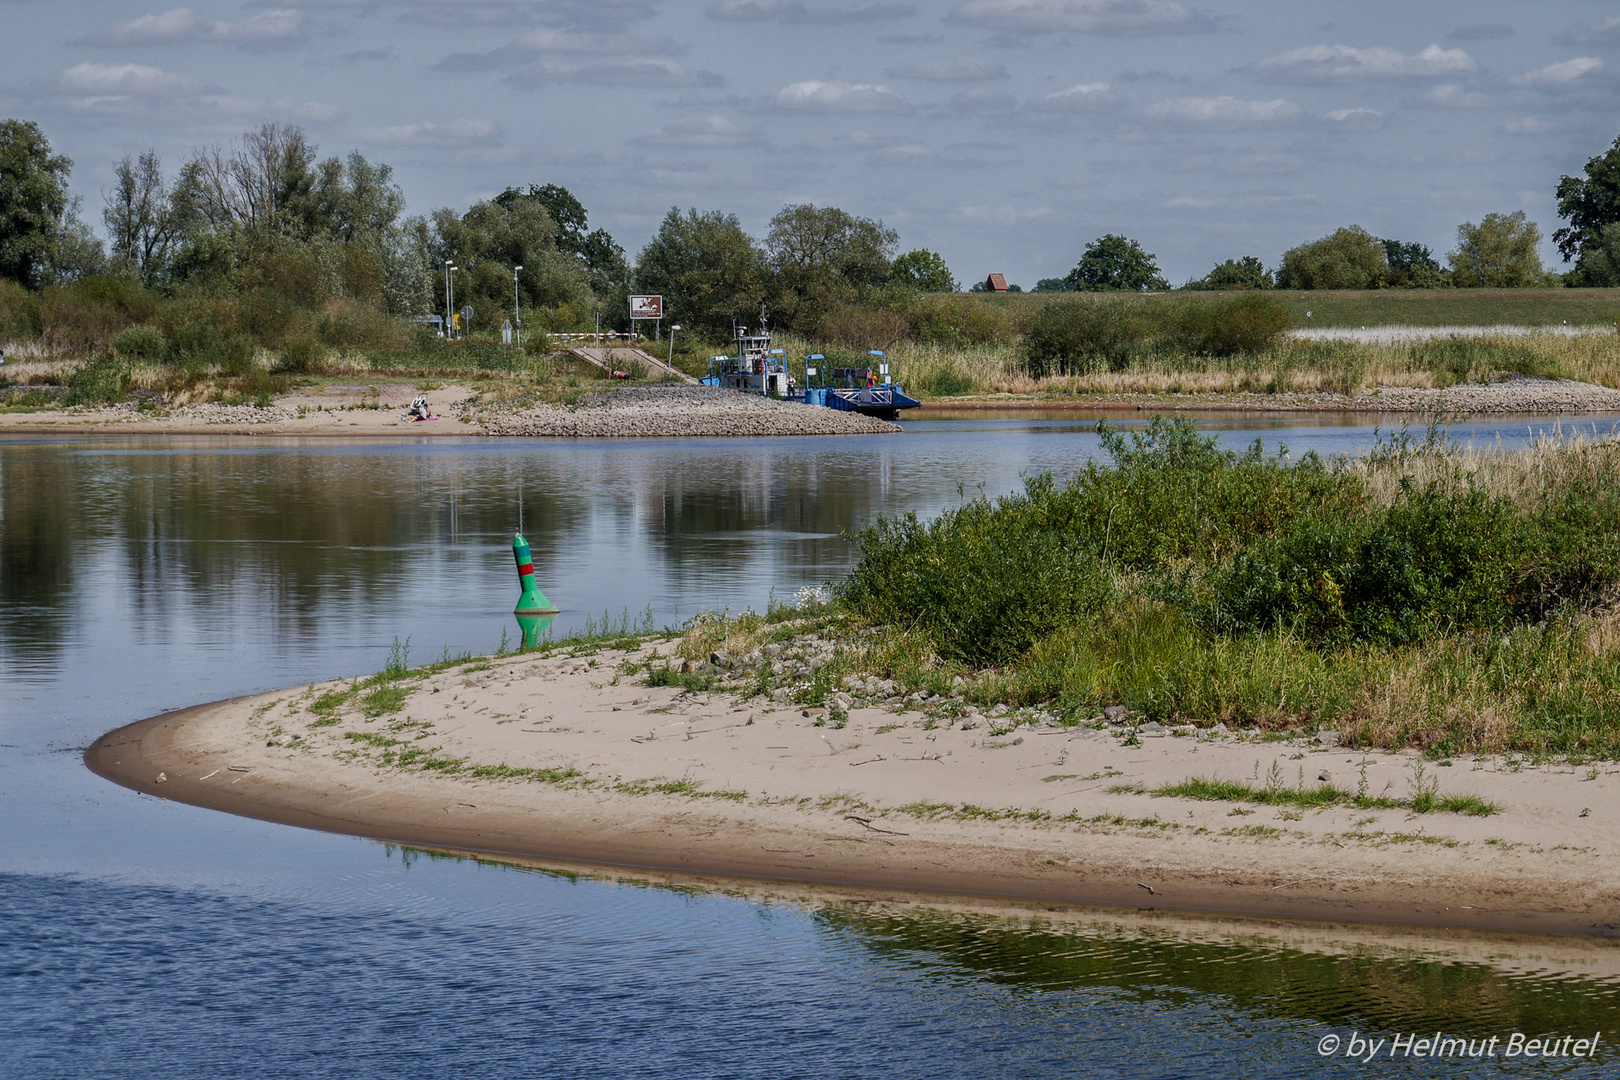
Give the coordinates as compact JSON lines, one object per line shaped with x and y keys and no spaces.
{"x":643,"y":72}
{"x":131,"y":80}
{"x":713,"y":130}
{"x":183,"y":25}
{"x":1528,"y":125}
{"x":1086,"y":97}
{"x":428,"y":133}
{"x":1606,"y":32}
{"x":983,"y":101}
{"x":1344,"y":63}
{"x":1456,"y":96}
{"x":1079,"y":16}
{"x":1481,"y":32}
{"x":1225,"y":111}
{"x":839,"y":97}
{"x":963,"y":70}
{"x":568,"y":41}
{"x":792,"y":11}
{"x":910,"y":39}
{"x":1356,"y":119}
{"x":1559,"y":76}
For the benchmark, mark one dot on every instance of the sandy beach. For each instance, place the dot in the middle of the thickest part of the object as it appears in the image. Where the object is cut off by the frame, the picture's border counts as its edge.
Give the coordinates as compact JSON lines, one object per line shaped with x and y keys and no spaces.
{"x":571,"y":757}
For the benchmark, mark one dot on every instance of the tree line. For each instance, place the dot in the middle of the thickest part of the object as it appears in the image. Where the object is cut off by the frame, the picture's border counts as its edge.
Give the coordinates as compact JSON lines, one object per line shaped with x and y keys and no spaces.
{"x":268,"y":219}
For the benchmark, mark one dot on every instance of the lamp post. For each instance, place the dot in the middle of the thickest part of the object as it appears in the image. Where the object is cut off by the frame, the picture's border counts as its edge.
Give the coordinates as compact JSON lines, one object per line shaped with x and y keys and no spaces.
{"x":673,"y":327}
{"x":517,"y":319}
{"x":449,"y":310}
{"x":599,"y":326}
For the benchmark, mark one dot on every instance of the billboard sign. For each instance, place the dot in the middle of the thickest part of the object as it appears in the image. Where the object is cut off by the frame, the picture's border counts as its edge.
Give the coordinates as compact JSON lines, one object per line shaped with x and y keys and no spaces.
{"x":646,"y":307}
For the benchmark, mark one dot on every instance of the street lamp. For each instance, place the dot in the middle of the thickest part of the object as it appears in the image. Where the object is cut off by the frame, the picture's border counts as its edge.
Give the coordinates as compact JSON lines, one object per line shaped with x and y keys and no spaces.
{"x":672,"y":330}
{"x":449,"y":297}
{"x":517,"y":320}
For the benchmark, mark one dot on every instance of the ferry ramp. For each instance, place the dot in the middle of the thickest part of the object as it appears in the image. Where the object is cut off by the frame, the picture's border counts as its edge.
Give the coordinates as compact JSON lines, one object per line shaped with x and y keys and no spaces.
{"x":620,"y":358}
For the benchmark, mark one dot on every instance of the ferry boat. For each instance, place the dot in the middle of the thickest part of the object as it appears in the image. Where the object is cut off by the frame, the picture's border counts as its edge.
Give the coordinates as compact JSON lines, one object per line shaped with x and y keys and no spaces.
{"x":759,"y":369}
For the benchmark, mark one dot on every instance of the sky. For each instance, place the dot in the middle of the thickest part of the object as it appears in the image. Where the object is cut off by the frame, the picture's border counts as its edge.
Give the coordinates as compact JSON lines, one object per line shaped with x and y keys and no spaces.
{"x":1003,"y":134}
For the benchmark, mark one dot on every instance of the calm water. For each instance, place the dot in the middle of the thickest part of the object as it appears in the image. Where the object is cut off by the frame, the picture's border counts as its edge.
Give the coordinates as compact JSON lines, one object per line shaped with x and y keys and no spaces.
{"x":142,"y":938}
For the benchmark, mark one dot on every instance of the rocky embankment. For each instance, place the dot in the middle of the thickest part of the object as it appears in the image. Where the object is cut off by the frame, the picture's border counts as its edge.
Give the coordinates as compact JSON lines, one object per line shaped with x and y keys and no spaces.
{"x":632,"y":412}
{"x":1514,"y":394}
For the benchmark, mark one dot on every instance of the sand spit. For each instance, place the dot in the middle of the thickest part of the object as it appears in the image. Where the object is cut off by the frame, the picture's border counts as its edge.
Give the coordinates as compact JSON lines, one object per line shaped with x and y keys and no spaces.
{"x":673,"y":410}
{"x":568,"y":757}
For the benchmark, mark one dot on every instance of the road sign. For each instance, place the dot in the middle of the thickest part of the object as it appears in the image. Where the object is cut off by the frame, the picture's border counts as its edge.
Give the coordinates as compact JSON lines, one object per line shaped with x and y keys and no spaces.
{"x":646,"y":307}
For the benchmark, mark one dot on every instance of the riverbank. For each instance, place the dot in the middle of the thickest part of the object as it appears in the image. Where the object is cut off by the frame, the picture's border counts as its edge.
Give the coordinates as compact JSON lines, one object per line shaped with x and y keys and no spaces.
{"x":374,"y":409}
{"x":571,"y":755}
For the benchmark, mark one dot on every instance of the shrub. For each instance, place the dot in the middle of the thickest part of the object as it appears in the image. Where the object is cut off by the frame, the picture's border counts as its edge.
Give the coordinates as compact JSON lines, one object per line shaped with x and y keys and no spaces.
{"x":302,"y":356}
{"x":101,"y":381}
{"x":1470,"y":358}
{"x":958,"y":321}
{"x":1247,"y":324}
{"x":1077,"y":337}
{"x":198,"y":344}
{"x":141,"y":344}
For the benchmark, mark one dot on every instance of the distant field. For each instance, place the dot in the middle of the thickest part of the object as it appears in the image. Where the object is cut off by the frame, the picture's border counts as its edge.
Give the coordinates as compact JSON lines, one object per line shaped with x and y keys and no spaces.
{"x":1411,"y":307}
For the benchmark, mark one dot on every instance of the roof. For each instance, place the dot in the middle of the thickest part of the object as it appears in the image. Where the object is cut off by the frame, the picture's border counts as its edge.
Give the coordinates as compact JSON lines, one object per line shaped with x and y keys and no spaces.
{"x":996,"y":283}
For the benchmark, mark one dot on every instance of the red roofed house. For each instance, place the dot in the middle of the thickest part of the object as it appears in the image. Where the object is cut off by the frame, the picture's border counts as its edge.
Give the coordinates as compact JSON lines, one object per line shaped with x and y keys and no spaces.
{"x":995,"y":283}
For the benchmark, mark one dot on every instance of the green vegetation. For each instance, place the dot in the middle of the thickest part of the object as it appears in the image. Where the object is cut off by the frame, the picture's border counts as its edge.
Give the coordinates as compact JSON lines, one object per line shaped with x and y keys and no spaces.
{"x":1422,"y":595}
{"x":1421,"y":801}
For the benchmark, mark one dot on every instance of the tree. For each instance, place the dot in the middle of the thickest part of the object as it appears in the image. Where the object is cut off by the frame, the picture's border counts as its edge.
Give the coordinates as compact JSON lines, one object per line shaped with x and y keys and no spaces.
{"x":1245,"y":273}
{"x":1600,"y":259}
{"x":1589,"y":203}
{"x":1350,"y":258}
{"x":1498,"y":253}
{"x":1113,"y":263}
{"x":710,"y":272}
{"x":1053,"y":284}
{"x":1412,"y":266}
{"x":924,"y":271}
{"x":141,"y":217}
{"x":33,"y":201}
{"x":824,"y":257}
{"x":488,"y":241}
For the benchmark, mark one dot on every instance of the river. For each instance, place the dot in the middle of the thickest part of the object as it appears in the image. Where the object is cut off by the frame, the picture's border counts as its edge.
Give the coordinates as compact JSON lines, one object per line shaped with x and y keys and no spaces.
{"x":143,"y":938}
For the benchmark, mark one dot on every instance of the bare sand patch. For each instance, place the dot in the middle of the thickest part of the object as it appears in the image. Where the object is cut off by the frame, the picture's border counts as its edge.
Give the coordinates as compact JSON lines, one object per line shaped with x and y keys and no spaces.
{"x":563,"y":757}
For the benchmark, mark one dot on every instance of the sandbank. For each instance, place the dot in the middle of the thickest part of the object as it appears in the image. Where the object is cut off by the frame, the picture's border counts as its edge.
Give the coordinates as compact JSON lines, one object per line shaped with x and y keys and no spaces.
{"x":565,"y":757}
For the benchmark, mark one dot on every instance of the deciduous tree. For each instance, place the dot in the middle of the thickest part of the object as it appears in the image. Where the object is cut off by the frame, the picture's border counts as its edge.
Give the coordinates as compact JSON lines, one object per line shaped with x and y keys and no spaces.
{"x":1114,"y":263}
{"x":1349,"y":258}
{"x":710,"y":272}
{"x":1498,"y":253}
{"x":33,"y":201}
{"x":924,"y":271}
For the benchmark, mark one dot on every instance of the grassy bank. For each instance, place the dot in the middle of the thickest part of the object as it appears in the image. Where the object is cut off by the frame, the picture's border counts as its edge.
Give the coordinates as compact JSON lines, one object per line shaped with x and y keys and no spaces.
{"x":1423,"y":596}
{"x":1290,"y":366}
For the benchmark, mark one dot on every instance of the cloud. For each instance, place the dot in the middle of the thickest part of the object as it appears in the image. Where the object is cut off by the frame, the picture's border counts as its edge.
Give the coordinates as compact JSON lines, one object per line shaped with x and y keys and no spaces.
{"x":1453,"y":95}
{"x":813,"y":96}
{"x":1564,"y":73}
{"x":1606,"y":32}
{"x":707,"y":131}
{"x":1224,"y":111}
{"x":1004,"y":215}
{"x":1078,"y":16}
{"x":963,"y":70}
{"x":129,"y":80}
{"x":1345,"y":62}
{"x":643,"y":72}
{"x":1481,"y":32}
{"x":1527,"y":125}
{"x":1357,"y":119}
{"x":558,"y":41}
{"x":456,"y":133}
{"x":792,"y":11}
{"x":1087,"y":97}
{"x":983,"y":101}
{"x":183,"y":25}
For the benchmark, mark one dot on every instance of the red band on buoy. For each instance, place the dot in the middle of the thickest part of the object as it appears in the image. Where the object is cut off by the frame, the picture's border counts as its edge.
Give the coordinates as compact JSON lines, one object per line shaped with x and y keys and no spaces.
{"x":526,"y":569}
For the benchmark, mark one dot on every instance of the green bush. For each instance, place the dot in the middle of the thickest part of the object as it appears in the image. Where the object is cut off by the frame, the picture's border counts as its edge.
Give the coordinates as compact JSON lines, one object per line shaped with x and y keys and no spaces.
{"x":198,"y":344}
{"x":302,"y":356}
{"x":1247,"y":324}
{"x":958,"y":321}
{"x":1077,"y":337}
{"x":98,"y":382}
{"x":141,"y":344}
{"x":1464,"y":359}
